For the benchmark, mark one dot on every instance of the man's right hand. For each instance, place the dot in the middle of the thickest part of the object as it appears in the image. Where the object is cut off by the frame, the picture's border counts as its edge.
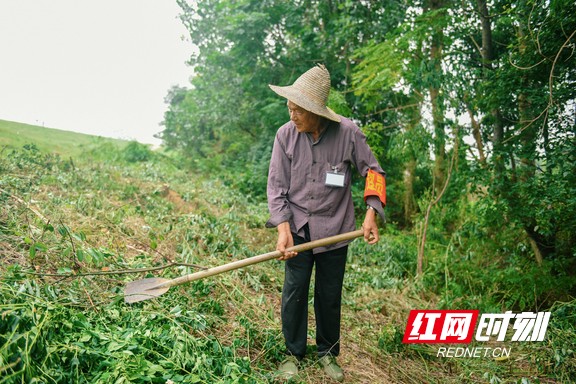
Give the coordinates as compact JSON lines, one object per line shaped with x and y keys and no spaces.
{"x":285,"y":241}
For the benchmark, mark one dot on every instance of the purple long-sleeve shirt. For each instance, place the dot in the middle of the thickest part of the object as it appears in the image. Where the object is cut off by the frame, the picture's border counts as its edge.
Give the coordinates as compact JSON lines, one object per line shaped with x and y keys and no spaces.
{"x":297,"y":190}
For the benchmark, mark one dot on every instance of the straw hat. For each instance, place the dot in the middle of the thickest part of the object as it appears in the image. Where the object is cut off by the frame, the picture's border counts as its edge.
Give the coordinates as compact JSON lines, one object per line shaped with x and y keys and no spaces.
{"x":310,"y":91}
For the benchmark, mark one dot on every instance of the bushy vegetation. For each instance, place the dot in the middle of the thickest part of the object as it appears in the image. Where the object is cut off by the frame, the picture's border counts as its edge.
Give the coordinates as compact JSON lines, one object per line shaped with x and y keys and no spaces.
{"x":69,"y":237}
{"x":468,"y":107}
{"x":74,"y":232}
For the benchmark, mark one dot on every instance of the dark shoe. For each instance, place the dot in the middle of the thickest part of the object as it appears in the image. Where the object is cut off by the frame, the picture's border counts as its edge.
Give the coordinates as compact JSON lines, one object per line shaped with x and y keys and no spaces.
{"x":331,"y":367}
{"x":288,"y":369}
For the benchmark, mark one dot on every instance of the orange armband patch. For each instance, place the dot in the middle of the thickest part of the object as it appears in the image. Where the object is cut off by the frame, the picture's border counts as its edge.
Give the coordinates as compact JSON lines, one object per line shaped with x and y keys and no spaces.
{"x":375,"y":186}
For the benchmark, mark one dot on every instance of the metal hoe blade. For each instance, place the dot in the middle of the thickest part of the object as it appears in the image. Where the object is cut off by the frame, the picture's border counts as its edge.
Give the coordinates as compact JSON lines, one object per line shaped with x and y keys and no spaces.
{"x":145,"y":289}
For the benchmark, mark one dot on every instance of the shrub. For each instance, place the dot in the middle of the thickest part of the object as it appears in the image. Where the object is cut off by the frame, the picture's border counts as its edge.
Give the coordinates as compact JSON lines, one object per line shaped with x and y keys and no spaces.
{"x":137,"y":152}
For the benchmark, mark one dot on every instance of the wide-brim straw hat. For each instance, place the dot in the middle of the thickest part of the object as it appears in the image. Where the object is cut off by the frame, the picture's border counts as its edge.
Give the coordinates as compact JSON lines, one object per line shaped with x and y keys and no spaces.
{"x":310,"y":91}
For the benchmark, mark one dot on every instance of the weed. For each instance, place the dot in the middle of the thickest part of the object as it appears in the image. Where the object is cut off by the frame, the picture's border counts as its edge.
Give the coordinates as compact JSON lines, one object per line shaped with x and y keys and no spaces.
{"x":69,"y":228}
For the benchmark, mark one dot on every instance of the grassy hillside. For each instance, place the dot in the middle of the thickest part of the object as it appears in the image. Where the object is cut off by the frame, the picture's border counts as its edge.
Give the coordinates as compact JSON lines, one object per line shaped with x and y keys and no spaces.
{"x":74,"y":232}
{"x":65,"y":143}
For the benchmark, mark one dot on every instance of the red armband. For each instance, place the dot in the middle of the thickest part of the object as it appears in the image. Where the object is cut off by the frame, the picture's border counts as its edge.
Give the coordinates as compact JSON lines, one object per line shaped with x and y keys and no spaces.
{"x":375,"y":186}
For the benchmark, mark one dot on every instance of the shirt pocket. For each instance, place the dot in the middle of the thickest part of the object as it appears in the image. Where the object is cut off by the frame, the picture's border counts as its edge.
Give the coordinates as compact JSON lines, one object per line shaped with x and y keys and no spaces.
{"x":342,"y":168}
{"x":331,"y":197}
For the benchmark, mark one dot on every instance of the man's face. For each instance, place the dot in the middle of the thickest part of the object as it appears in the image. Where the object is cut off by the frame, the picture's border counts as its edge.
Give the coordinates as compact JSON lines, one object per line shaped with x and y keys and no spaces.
{"x":304,"y":120}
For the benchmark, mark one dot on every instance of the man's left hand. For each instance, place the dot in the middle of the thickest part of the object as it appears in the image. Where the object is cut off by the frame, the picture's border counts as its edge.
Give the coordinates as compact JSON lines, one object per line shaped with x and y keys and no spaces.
{"x":370,"y":227}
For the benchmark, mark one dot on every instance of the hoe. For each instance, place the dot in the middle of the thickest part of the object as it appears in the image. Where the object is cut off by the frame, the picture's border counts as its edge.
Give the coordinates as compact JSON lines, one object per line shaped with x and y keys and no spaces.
{"x":149,"y":288}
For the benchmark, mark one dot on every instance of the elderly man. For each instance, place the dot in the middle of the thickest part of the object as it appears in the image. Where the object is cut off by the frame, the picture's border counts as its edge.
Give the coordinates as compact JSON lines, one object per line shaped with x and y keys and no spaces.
{"x":309,"y":197}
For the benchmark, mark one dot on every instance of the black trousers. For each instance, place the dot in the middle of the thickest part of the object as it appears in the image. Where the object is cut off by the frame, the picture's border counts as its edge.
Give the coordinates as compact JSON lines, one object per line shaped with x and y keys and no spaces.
{"x":329,"y":278}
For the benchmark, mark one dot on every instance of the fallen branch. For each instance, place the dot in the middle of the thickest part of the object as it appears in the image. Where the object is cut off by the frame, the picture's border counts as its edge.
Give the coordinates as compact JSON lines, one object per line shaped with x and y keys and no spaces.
{"x":117,"y":272}
{"x":433,"y":202}
{"x":27,"y":205}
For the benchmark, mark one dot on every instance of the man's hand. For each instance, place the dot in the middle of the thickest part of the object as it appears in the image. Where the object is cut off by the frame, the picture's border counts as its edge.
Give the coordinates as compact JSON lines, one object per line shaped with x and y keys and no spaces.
{"x":285,"y":241}
{"x":370,"y":227}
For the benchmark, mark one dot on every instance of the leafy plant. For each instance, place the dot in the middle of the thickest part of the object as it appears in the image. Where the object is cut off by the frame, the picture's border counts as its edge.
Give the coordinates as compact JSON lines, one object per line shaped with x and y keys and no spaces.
{"x":137,"y":152}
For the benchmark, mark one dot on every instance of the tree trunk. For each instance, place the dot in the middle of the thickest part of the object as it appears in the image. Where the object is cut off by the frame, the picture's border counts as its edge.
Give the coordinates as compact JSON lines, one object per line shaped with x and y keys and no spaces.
{"x":487,"y":53}
{"x":439,"y":174}
{"x":525,"y":126}
{"x":437,"y":102}
{"x":476,"y":133}
{"x":528,"y":133}
{"x":409,"y":205}
{"x":414,"y":116}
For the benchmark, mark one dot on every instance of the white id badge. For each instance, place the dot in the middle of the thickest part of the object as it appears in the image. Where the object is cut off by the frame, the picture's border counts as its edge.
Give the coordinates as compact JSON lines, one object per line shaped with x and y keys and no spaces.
{"x":334,"y":179}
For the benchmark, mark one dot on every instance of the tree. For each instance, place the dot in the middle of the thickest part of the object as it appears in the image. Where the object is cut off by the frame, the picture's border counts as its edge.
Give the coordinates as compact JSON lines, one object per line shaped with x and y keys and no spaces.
{"x":421,"y":78}
{"x":229,"y":113}
{"x":526,"y":91}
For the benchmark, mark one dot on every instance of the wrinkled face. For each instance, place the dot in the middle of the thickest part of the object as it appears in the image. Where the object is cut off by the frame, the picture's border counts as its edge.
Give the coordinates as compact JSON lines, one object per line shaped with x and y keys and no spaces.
{"x":304,"y":120}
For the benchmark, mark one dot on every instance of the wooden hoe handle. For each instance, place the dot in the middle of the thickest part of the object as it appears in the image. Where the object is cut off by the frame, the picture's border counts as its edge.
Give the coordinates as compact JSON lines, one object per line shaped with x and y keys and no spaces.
{"x":260,"y":258}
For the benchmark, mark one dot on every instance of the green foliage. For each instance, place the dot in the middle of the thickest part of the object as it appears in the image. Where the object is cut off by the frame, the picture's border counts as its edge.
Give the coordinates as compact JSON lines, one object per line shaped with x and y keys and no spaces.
{"x":67,"y":232}
{"x":501,"y":237}
{"x":229,"y":116}
{"x":386,"y":265}
{"x":371,"y":78}
{"x":136,"y":152}
{"x":44,"y":338}
{"x":480,"y":267}
{"x":337,"y":102}
{"x":69,"y":323}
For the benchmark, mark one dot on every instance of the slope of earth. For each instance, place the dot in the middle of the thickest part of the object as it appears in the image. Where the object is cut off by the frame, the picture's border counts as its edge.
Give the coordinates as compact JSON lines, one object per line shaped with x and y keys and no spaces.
{"x":74,"y":233}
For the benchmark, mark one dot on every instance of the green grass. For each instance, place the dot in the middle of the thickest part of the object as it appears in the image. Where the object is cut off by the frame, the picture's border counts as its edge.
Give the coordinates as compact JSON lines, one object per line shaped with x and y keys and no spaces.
{"x":64,"y":143}
{"x":73,"y":226}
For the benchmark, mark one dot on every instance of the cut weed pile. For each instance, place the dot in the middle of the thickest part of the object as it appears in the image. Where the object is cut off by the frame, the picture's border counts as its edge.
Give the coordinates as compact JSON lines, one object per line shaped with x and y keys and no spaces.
{"x":73,"y":233}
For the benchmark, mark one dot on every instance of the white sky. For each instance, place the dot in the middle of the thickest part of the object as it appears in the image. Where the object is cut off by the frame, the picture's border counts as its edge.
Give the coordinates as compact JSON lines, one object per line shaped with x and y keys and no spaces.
{"x":101,"y":67}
